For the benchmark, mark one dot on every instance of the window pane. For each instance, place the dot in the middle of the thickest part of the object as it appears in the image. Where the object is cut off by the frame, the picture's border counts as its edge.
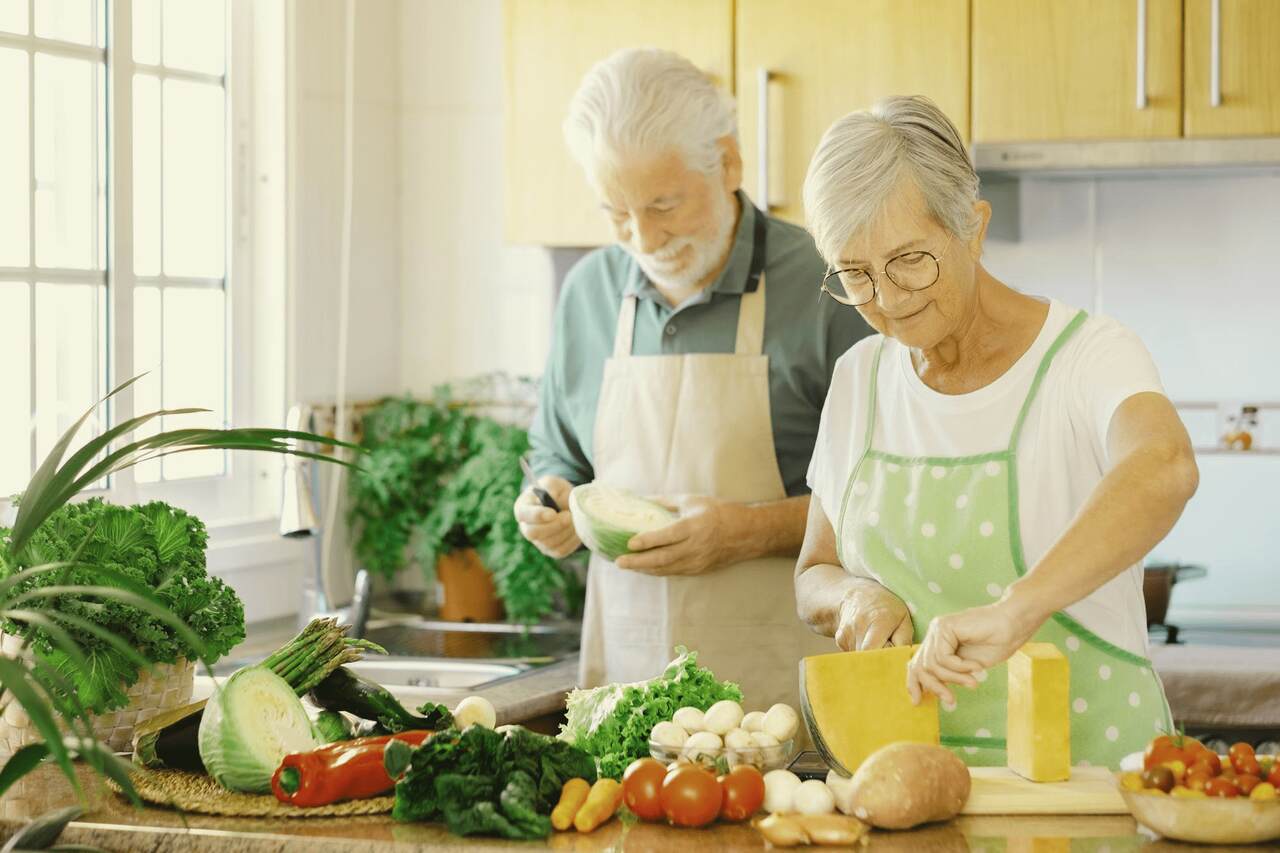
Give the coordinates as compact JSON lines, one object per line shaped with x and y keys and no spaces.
{"x":146,"y":31}
{"x":13,"y":16}
{"x":194,"y":179}
{"x":70,"y":355}
{"x":15,"y":386}
{"x":15,"y":175}
{"x":68,"y":20}
{"x":194,"y":35}
{"x":146,"y":359}
{"x":195,"y":371}
{"x":146,"y":175}
{"x":66,"y":158}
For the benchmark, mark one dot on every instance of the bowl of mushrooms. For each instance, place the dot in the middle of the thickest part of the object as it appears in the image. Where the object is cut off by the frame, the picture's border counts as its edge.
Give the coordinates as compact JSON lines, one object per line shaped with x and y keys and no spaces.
{"x":726,"y":736}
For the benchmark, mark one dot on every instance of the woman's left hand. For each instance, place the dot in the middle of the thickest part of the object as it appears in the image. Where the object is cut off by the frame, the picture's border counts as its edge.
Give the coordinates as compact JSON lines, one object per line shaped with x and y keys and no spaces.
{"x":960,"y":645}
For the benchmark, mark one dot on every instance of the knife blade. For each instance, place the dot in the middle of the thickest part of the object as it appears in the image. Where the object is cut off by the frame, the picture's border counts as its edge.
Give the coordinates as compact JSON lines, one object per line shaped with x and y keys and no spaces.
{"x":543,"y":496}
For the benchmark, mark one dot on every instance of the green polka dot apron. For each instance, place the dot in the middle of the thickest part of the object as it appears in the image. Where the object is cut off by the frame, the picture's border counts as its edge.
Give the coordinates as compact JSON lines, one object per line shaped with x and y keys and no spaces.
{"x":943,"y":534}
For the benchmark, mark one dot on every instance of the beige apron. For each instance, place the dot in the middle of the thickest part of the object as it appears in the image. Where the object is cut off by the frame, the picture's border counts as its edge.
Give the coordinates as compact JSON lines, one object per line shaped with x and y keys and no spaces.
{"x":695,"y":424}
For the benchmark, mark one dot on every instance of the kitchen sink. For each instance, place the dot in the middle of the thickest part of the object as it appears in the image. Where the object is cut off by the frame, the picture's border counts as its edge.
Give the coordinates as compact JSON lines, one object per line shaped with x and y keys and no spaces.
{"x":429,"y":673}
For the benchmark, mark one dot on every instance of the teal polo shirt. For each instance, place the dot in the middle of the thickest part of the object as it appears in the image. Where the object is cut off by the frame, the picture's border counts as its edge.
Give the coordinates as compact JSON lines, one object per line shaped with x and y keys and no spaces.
{"x":804,"y":334}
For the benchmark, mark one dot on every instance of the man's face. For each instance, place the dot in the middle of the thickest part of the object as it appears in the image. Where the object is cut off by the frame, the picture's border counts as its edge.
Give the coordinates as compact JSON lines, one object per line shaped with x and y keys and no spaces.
{"x":677,"y":222}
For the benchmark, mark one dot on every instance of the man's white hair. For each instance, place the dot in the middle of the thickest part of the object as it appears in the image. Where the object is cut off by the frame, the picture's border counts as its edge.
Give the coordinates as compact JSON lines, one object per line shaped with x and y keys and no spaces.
{"x":863,"y":157}
{"x":644,"y":102}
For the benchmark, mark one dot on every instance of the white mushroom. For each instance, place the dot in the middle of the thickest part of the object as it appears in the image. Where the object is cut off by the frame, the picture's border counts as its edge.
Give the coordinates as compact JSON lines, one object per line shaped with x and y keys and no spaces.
{"x":739,"y":739}
{"x":669,"y":735}
{"x":689,"y":719}
{"x":753,"y":721}
{"x":702,"y":745}
{"x":779,"y":791}
{"x":475,"y":710}
{"x":813,"y":797}
{"x":842,"y":790}
{"x":723,"y":717}
{"x":782,"y":722}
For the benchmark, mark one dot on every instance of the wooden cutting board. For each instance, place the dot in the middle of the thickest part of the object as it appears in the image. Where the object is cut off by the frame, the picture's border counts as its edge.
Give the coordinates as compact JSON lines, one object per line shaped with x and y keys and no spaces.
{"x":1000,"y":791}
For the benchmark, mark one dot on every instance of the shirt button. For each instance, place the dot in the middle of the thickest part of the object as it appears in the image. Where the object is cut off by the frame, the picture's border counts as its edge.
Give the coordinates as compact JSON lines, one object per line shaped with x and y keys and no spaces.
{"x":671,"y":328}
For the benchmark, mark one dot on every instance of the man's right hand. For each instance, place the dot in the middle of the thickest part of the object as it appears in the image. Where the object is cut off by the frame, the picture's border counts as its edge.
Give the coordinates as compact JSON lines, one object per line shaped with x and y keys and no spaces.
{"x":550,"y":531}
{"x":872,"y":617}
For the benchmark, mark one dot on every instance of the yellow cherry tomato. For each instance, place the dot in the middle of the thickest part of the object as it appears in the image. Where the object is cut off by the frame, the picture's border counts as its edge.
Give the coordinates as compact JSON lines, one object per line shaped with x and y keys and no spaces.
{"x":1131,"y":782}
{"x":1264,"y":791}
{"x":1178,"y":768}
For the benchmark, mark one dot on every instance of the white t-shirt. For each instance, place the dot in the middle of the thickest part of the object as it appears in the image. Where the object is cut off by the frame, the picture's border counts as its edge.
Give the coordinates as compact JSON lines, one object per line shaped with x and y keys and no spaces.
{"x":1062,"y":453}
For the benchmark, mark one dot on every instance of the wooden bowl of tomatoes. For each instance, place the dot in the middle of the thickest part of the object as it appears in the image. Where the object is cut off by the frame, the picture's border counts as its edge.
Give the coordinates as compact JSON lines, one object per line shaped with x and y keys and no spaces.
{"x":1190,"y":793}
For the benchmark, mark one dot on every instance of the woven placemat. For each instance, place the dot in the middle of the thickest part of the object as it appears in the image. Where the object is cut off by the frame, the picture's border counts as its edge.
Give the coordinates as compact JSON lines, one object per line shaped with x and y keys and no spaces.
{"x":198,"y":793}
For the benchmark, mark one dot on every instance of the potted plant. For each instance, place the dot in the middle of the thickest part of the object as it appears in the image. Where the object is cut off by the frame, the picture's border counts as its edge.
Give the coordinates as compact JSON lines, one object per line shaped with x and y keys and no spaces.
{"x":437,"y":485}
{"x":73,"y":655}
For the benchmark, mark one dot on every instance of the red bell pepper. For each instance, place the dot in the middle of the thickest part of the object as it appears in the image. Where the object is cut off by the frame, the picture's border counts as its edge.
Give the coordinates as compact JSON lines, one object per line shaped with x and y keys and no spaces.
{"x":345,"y":770}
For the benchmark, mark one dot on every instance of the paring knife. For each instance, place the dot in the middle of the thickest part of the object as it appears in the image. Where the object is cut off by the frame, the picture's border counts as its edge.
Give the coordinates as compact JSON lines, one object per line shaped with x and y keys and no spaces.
{"x":543,"y":496}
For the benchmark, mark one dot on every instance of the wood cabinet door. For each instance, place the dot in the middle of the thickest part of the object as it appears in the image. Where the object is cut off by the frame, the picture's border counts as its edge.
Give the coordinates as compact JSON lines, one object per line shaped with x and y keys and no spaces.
{"x":550,"y":45}
{"x":1068,"y":69}
{"x":826,"y":58}
{"x":1248,"y":63}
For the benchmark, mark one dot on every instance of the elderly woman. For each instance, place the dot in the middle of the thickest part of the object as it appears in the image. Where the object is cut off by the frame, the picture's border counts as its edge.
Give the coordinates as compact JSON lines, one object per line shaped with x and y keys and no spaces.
{"x":992,"y":467}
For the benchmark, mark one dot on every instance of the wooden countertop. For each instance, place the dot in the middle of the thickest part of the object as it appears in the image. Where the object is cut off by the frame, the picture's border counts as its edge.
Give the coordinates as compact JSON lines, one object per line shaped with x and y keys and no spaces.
{"x":112,"y":824}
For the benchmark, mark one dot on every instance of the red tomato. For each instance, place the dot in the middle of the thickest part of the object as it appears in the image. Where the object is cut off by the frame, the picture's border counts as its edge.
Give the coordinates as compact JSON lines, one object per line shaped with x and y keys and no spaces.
{"x":743,"y":792}
{"x":1246,"y":783}
{"x":1208,"y":761}
{"x":691,"y":796}
{"x":642,"y":788}
{"x":1219,"y":787}
{"x":1274,"y":776}
{"x":1164,"y":749}
{"x":1240,"y":754}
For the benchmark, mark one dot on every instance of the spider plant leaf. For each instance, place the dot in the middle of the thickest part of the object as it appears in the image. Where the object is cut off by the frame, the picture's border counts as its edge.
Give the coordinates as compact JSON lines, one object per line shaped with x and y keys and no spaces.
{"x":42,"y":831}
{"x":14,"y":676}
{"x":108,"y":764}
{"x":21,"y":763}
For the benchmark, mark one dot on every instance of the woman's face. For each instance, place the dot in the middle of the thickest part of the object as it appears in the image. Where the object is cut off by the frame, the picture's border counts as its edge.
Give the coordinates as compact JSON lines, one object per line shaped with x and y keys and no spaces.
{"x":924,"y":318}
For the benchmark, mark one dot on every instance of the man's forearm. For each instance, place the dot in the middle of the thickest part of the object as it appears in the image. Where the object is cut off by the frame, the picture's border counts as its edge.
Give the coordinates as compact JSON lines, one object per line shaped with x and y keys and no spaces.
{"x":770,"y":529}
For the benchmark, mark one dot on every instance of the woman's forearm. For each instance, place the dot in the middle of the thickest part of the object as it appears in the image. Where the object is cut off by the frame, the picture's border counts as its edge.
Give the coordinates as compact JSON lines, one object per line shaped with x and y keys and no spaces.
{"x":820,"y":593}
{"x":1134,"y":507}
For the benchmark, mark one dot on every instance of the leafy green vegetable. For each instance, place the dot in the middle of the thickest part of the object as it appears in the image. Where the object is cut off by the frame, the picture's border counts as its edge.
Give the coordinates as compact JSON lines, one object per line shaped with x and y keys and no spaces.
{"x":613,"y":722}
{"x":606,"y":518}
{"x":480,"y":782}
{"x":157,"y":547}
{"x":331,"y":726}
{"x":437,"y":478}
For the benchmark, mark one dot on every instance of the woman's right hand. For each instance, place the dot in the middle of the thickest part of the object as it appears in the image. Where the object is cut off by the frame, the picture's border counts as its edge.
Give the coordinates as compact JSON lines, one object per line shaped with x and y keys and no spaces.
{"x":872,"y":617}
{"x":550,"y":531}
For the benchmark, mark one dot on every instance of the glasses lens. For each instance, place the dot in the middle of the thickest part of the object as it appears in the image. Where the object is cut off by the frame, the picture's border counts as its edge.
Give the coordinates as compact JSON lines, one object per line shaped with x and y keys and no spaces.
{"x":913,"y":271}
{"x":852,"y":287}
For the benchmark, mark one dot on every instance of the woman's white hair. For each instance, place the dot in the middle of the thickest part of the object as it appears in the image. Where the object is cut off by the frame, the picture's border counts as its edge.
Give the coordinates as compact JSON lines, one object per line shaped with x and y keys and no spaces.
{"x":863,"y":157}
{"x":645,"y":101}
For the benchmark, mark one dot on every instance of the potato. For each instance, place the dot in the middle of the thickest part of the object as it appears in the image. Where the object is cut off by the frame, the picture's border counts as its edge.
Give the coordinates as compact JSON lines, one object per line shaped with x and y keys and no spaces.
{"x":906,"y":784}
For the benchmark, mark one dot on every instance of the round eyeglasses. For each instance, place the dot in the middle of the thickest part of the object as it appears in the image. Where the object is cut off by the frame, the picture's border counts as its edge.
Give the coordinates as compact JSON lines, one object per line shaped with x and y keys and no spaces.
{"x":910,"y":271}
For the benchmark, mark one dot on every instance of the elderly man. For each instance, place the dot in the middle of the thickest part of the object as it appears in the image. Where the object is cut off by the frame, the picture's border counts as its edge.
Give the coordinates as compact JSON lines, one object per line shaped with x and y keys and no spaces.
{"x":690,"y":362}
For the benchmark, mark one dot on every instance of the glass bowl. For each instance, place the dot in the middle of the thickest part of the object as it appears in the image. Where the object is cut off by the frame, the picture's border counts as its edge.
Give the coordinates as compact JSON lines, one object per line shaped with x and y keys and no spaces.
{"x":1211,"y":820}
{"x":763,"y":758}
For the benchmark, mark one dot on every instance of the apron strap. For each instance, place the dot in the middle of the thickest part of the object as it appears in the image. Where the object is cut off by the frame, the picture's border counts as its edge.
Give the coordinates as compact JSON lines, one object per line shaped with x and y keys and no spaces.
{"x":750,"y":338}
{"x":626,"y":328}
{"x":1058,"y":344}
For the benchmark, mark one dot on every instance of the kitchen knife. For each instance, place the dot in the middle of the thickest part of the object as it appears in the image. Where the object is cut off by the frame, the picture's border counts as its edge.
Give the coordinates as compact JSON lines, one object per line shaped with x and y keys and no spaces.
{"x":543,"y":496}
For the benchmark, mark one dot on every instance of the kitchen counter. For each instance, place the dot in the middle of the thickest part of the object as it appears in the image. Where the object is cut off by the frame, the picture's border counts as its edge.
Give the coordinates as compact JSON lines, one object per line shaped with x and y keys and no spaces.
{"x":111,"y":824}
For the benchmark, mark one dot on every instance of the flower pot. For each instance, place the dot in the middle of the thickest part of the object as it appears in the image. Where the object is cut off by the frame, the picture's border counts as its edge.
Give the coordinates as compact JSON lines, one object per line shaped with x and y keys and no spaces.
{"x":162,"y":688}
{"x":467,"y":590}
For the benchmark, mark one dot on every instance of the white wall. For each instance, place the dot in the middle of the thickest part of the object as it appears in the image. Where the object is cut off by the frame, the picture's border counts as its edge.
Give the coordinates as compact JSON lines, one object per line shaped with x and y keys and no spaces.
{"x":470,"y":304}
{"x":1188,"y":262}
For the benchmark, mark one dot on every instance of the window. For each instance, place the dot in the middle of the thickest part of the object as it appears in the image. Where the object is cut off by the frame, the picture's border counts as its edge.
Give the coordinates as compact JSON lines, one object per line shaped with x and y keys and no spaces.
{"x":117,"y":255}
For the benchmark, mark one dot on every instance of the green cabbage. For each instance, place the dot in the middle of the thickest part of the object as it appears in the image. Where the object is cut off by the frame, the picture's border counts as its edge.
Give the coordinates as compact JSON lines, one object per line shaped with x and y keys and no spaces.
{"x":249,"y":726}
{"x":606,"y":518}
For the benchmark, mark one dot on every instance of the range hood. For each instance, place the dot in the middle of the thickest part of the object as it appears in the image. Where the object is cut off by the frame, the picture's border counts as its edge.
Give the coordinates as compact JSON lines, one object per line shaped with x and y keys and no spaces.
{"x":1126,"y":156}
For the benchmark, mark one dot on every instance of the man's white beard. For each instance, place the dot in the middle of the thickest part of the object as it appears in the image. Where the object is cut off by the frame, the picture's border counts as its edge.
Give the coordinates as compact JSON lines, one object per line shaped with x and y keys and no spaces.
{"x":707,"y":254}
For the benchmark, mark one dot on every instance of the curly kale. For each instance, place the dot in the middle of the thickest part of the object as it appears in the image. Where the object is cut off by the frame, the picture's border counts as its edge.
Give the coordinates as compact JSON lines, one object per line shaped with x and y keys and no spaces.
{"x":480,"y":782}
{"x":155,"y":546}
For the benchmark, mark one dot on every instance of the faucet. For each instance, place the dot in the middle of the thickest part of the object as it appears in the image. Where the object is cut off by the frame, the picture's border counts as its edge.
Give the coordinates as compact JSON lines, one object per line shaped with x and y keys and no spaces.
{"x":298,"y":520}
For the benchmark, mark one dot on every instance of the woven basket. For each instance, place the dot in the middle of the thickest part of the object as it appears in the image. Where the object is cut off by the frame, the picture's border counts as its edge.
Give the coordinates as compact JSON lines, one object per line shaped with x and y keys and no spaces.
{"x":164,"y":687}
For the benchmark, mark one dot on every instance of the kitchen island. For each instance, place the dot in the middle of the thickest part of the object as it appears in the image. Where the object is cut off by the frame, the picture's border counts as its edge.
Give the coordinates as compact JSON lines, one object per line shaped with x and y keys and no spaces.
{"x":111,"y":824}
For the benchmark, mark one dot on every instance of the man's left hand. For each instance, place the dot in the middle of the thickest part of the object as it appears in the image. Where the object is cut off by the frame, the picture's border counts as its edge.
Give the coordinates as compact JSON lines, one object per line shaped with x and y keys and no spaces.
{"x":706,"y":537}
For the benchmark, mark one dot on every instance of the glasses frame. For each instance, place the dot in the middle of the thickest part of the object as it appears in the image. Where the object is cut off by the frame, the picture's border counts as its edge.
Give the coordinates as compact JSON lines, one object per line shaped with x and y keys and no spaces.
{"x":884,"y":271}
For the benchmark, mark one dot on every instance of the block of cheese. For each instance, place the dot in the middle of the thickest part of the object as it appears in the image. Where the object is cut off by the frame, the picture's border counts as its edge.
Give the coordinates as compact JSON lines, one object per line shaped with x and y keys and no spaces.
{"x":856,"y":702}
{"x":1039,"y":721}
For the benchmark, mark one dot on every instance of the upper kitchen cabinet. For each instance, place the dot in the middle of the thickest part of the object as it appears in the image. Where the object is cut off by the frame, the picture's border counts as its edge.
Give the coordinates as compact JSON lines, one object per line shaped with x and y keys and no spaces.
{"x":822,"y":59}
{"x":550,"y":44}
{"x":1232,"y":80}
{"x":1079,"y":69}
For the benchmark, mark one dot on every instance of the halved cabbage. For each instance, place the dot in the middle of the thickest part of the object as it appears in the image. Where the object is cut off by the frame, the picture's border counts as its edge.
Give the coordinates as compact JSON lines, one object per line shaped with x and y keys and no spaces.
{"x":606,"y":518}
{"x":249,"y":726}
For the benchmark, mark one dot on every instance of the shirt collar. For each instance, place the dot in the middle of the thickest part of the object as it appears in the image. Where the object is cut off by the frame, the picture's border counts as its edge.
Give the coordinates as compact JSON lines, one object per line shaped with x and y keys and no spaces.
{"x":732,"y":279}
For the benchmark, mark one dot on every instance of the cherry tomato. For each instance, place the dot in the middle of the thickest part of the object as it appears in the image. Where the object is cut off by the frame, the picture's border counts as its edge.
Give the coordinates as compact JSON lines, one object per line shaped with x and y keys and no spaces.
{"x":1246,"y":783}
{"x":1197,"y":781}
{"x":1220,"y":787}
{"x":743,"y":792}
{"x":1195,"y":748}
{"x":1162,"y":750}
{"x":642,"y":788}
{"x":691,"y":796}
{"x":1274,"y":776}
{"x":1159,"y":777}
{"x":1241,"y":754}
{"x":1207,"y":760}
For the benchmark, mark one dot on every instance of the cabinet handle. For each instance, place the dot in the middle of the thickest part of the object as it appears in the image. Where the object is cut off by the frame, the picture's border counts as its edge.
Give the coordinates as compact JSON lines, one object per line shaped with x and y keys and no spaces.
{"x":1215,"y":53}
{"x":1142,"y":54}
{"x":762,"y":131}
